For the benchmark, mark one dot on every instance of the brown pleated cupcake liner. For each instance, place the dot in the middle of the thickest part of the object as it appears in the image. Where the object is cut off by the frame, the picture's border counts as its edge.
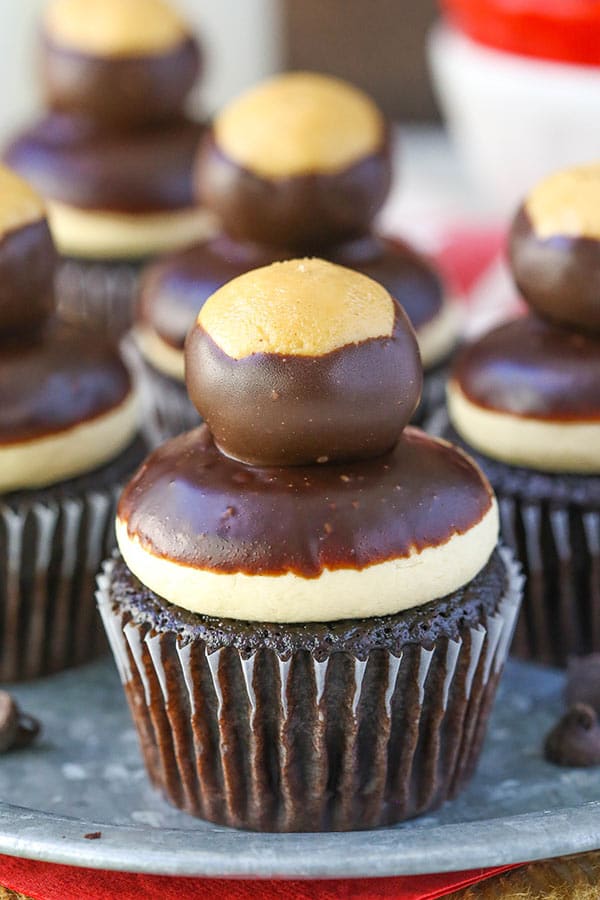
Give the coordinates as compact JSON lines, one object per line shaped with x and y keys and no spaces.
{"x":98,"y":294}
{"x":302,"y":743}
{"x":50,"y":554}
{"x":558,"y":546}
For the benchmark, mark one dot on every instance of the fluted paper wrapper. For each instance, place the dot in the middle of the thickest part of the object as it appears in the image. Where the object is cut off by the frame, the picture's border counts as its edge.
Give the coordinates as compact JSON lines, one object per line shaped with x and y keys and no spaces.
{"x":302,"y":743}
{"x":558,"y":546}
{"x":49,"y":556}
{"x":99,"y":294}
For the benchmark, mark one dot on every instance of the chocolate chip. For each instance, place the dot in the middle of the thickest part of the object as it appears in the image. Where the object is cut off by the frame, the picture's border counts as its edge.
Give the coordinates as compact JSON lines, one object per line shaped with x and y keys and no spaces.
{"x":583,"y":681}
{"x":575,"y":740}
{"x":17,"y":730}
{"x":9,"y":721}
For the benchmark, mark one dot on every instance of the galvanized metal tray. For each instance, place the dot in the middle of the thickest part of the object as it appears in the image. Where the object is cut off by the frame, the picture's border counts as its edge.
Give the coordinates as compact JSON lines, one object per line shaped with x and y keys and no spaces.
{"x":86,"y":776}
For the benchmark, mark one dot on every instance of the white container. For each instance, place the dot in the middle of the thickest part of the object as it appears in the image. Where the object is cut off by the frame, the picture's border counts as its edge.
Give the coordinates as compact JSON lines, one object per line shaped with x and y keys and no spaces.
{"x":514,"y":118}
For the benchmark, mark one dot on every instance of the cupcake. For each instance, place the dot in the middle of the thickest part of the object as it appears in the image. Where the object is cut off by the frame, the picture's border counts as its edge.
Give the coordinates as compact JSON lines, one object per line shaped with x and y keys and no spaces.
{"x":299,"y":165}
{"x":525,"y":398}
{"x":68,"y":436}
{"x":309,"y":612}
{"x":113,"y":155}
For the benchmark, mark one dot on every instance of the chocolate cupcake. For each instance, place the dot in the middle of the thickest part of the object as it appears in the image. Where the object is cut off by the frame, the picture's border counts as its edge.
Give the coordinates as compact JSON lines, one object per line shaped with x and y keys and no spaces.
{"x":68,"y":437}
{"x":114,"y":154}
{"x":299,"y":165}
{"x":310,"y":613}
{"x":526,"y":399}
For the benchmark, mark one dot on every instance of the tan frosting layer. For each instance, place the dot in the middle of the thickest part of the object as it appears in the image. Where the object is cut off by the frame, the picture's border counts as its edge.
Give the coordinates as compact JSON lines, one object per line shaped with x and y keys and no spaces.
{"x":381,"y":589}
{"x":545,"y":445}
{"x":567,"y":203}
{"x":299,"y":123}
{"x":299,"y":307}
{"x":95,"y":234}
{"x":20,"y":205}
{"x":115,"y":27}
{"x":42,"y":461}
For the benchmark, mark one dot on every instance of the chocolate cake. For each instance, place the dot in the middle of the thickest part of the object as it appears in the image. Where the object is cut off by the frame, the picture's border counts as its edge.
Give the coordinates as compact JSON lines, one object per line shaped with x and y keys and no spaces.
{"x":68,"y":437}
{"x":309,"y":612}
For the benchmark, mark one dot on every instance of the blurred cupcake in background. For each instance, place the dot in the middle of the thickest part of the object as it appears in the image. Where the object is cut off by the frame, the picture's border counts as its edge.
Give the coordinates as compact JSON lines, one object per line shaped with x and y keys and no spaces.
{"x":298,"y":165}
{"x":525,"y":400}
{"x":68,"y":437}
{"x":113,"y":155}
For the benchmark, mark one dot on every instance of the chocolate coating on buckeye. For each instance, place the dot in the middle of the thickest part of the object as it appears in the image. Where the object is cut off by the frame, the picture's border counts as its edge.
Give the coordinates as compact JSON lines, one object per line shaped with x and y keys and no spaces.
{"x":63,"y":379}
{"x":175,"y":289}
{"x":123,"y":92}
{"x":303,"y":362}
{"x":308,"y":212}
{"x":27,"y":266}
{"x":137,"y":172}
{"x":558,"y":275}
{"x":532,"y":368}
{"x":192,"y":504}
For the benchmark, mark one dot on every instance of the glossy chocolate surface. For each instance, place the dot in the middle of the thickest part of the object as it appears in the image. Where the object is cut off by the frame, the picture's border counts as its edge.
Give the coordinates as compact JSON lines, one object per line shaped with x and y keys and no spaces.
{"x":532,"y":368}
{"x":27,"y":266}
{"x":175,"y":289}
{"x":119,"y":92}
{"x":559,"y":276}
{"x":149,"y":170}
{"x":307,"y":212}
{"x":192,"y":504}
{"x":64,"y":377}
{"x":270,"y":409}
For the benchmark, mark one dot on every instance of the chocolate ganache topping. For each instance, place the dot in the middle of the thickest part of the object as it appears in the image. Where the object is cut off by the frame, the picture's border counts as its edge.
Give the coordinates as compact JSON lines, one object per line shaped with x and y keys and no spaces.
{"x":528,"y":393}
{"x":66,"y":400}
{"x":304,"y":497}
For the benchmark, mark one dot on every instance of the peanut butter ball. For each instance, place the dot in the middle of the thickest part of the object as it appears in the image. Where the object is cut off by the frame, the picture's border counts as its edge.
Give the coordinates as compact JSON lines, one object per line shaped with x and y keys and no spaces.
{"x":555,"y":248}
{"x":303,"y":362}
{"x":300,"y":161}
{"x":122,"y":63}
{"x":27,"y":257}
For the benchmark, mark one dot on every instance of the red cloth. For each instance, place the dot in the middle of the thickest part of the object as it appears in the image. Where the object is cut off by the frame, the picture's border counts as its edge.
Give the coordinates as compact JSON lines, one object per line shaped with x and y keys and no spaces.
{"x":45,"y":881}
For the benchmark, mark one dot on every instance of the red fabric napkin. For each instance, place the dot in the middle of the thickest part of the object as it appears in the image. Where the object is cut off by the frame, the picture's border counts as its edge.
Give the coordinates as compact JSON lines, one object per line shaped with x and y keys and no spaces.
{"x":46,"y":881}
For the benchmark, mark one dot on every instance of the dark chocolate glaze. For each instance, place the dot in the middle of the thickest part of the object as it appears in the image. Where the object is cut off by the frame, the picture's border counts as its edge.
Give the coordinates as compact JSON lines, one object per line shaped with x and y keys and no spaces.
{"x":192,"y":504}
{"x":559,"y":276}
{"x":270,"y":409}
{"x":306,"y":212}
{"x":64,"y":377}
{"x":143,"y":171}
{"x":27,"y":267}
{"x":532,"y":368}
{"x":175,"y":289}
{"x":119,"y":92}
{"x":443,"y":618}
